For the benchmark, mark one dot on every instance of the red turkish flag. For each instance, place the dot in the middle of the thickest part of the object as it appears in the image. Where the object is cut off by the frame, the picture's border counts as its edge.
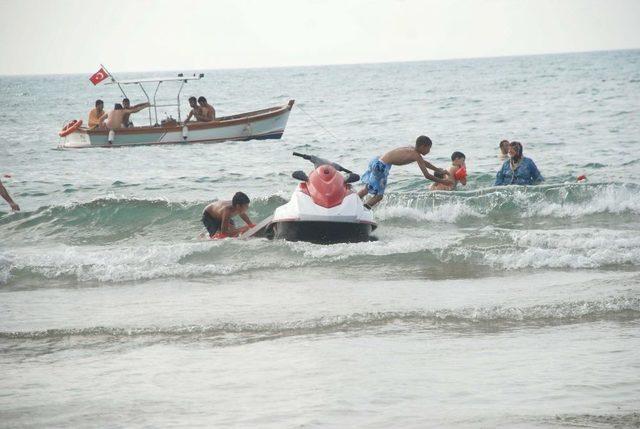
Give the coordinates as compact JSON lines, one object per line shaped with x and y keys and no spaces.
{"x":99,"y":76}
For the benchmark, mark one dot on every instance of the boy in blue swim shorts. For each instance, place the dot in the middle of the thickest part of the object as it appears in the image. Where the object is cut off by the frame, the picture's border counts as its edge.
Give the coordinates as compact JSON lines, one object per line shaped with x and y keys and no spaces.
{"x":375,"y":178}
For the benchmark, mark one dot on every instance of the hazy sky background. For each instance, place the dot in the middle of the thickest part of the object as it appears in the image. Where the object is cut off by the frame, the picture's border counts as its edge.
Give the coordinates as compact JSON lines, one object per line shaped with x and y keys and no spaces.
{"x":76,"y":36}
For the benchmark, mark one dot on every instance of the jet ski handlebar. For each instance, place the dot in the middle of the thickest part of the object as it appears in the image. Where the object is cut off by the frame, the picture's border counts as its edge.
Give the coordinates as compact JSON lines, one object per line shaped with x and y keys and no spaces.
{"x":317,"y":162}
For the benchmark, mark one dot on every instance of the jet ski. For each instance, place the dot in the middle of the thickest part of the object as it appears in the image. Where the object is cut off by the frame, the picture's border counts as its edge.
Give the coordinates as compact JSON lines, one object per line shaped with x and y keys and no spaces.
{"x":323,"y":208}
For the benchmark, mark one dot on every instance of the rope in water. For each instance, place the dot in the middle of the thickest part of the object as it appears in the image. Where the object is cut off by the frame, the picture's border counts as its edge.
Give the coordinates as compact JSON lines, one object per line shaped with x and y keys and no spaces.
{"x":320,"y":125}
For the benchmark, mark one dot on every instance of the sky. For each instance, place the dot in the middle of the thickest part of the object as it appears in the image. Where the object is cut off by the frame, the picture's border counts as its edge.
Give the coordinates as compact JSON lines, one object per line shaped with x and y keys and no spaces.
{"x":72,"y":36}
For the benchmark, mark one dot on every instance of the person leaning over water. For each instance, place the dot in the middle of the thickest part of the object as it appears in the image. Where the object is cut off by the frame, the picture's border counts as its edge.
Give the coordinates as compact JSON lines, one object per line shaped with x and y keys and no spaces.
{"x":216,"y":217}
{"x":375,"y":178}
{"x":518,"y":170}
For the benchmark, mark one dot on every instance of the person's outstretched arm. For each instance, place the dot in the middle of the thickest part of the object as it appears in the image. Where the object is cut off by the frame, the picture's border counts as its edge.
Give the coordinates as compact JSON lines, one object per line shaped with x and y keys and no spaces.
{"x":246,"y":219}
{"x":137,"y":107}
{"x":5,"y":194}
{"x":423,"y":167}
{"x":433,"y":167}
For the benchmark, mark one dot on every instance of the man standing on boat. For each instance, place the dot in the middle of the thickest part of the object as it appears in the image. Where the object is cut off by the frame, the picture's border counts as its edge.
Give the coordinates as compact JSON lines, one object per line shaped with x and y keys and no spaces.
{"x":116,"y":116}
{"x":207,"y":110}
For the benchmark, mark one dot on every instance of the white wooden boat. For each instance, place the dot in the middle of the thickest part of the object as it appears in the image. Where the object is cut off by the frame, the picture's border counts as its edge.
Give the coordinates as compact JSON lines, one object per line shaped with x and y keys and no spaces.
{"x":262,"y":124}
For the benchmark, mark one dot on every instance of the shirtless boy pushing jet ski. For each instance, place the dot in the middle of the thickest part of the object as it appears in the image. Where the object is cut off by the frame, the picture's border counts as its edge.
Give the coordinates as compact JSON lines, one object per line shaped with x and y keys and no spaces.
{"x":375,"y":178}
{"x":217,"y":216}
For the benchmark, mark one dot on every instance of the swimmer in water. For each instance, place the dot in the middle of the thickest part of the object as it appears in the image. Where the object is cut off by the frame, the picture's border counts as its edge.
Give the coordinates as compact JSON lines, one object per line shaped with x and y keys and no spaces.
{"x":217,"y":216}
{"x":504,"y":149}
{"x":457,"y":172}
{"x":375,"y":178}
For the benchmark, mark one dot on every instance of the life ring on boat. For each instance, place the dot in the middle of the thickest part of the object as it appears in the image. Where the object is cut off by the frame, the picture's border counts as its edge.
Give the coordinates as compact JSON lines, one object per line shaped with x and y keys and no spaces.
{"x":70,"y":127}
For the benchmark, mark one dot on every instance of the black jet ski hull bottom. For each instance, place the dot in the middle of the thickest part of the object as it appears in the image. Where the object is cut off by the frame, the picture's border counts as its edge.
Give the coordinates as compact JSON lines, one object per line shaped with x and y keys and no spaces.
{"x":322,"y":232}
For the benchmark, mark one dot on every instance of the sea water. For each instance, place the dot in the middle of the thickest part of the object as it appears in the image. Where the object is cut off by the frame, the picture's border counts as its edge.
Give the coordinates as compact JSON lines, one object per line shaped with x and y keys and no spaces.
{"x":483,"y":307}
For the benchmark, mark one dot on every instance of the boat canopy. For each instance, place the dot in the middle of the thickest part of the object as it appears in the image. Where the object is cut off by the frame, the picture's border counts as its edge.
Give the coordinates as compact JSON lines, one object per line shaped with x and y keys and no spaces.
{"x":180,"y":77}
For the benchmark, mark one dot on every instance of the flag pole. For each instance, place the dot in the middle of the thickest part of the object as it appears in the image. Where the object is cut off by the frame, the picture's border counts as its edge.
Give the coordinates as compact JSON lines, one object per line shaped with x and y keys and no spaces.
{"x":114,"y":80}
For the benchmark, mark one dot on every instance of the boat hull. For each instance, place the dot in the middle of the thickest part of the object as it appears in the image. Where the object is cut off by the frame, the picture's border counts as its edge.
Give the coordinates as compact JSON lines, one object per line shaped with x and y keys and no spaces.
{"x":258,"y":125}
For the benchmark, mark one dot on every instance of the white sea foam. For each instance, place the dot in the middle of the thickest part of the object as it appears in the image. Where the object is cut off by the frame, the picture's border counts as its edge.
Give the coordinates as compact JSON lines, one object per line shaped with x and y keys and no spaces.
{"x":446,"y":213}
{"x":613,"y":199}
{"x":118,"y":264}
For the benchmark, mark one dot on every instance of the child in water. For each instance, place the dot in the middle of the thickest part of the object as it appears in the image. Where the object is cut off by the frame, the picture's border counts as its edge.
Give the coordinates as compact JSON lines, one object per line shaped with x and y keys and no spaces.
{"x":457,"y":172}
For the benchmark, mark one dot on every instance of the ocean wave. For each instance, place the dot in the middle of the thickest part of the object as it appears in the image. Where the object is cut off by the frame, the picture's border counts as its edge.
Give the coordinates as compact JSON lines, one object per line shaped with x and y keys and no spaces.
{"x":516,"y":202}
{"x":610,"y":308}
{"x":507,"y":249}
{"x":108,"y":220}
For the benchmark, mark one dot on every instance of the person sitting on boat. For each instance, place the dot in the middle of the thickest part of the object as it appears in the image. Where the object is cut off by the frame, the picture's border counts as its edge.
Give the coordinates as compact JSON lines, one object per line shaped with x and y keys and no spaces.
{"x":114,"y":119}
{"x":97,"y":115}
{"x":375,"y":178}
{"x":518,"y":170}
{"x":216,"y":217}
{"x":196,"y":111}
{"x":126,"y":104}
{"x":208,"y":112}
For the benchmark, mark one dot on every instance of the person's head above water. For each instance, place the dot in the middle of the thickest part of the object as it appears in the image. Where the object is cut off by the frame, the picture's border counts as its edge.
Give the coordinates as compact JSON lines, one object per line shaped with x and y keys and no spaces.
{"x":504,"y":147}
{"x":423,"y":145}
{"x":515,"y":151}
{"x":193,"y":102}
{"x":202,"y":100}
{"x":126,"y":103}
{"x":118,"y":106}
{"x":99,"y":104}
{"x":458,"y":158}
{"x":240,"y":201}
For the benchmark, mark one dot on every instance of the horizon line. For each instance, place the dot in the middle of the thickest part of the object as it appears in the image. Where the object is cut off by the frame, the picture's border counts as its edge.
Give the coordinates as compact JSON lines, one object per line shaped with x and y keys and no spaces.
{"x":334,"y":64}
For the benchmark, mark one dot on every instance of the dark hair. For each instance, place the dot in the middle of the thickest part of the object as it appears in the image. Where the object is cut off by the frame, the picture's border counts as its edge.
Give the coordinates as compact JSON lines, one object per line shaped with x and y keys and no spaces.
{"x":192,"y":99}
{"x":423,"y":141}
{"x":438,"y":175}
{"x":517,"y":146}
{"x":201,"y":99}
{"x":240,"y":198}
{"x":118,"y":106}
{"x":125,"y":100}
{"x":457,"y":155}
{"x":99,"y":102}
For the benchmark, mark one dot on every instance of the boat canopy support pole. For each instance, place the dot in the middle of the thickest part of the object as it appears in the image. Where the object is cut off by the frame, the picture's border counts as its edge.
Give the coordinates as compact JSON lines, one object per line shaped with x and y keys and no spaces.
{"x":155,"y":107}
{"x":148,"y":101}
{"x":179,"y":91}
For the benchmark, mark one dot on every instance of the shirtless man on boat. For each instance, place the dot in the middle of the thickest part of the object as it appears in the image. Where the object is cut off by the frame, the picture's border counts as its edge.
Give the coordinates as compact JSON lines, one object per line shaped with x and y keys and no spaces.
{"x":126,"y":104}
{"x":375,"y":178}
{"x":196,"y":111}
{"x":217,"y":216}
{"x":115,"y":118}
{"x":207,"y":110}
